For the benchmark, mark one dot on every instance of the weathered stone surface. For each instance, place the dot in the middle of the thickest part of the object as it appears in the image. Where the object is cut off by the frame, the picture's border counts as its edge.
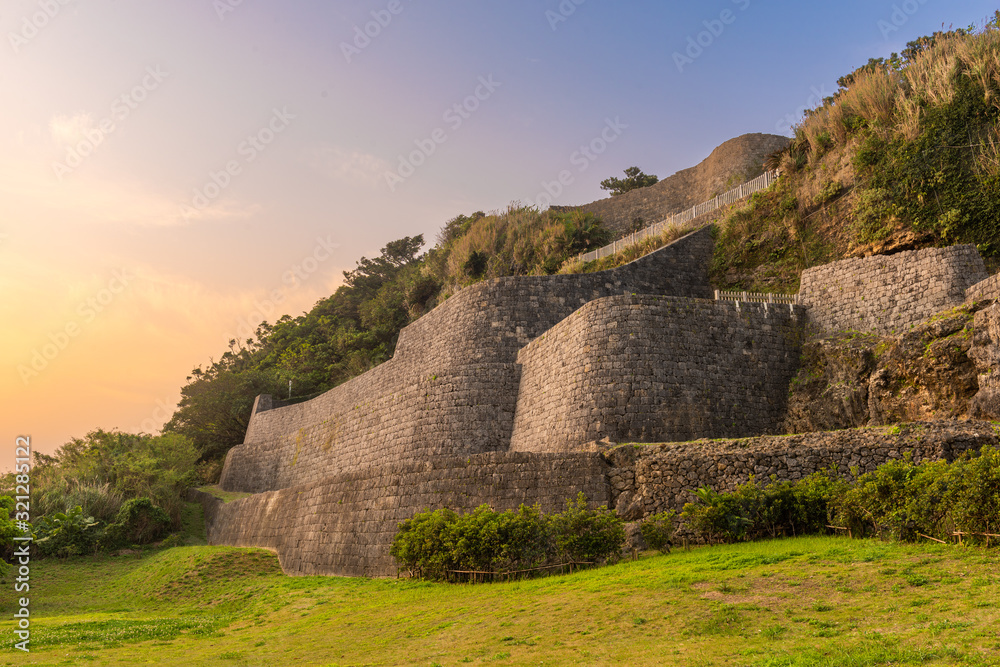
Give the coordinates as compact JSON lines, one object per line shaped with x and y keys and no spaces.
{"x":667,"y":475}
{"x":344,"y":524}
{"x":853,"y":379}
{"x":451,"y":388}
{"x":830,"y":390}
{"x":985,"y":352}
{"x":642,"y":368}
{"x":987,"y":290}
{"x":889,"y":294}
{"x":926,"y":373}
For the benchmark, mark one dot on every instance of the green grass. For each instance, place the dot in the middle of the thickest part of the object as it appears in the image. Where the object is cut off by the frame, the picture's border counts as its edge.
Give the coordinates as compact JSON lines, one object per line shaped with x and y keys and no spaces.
{"x":224,"y":496}
{"x":807,"y":601}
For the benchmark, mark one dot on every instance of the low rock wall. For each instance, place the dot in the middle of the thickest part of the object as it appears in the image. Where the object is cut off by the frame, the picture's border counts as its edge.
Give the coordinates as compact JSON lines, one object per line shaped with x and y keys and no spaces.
{"x":646,"y":479}
{"x":344,"y":525}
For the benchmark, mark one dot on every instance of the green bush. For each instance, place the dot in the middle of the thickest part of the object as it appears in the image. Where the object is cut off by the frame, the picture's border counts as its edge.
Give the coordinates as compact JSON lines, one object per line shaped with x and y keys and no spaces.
{"x":63,"y":534}
{"x":423,"y":544}
{"x":872,"y":216}
{"x":719,"y":517}
{"x":904,"y":500}
{"x":8,"y":531}
{"x":583,"y":534}
{"x":433,"y":544}
{"x":102,"y":471}
{"x":753,"y":512}
{"x":139,"y":521}
{"x":658,"y":530}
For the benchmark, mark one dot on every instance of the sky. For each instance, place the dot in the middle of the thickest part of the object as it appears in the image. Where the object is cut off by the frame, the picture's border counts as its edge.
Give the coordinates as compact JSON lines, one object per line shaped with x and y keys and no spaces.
{"x":171,"y":174}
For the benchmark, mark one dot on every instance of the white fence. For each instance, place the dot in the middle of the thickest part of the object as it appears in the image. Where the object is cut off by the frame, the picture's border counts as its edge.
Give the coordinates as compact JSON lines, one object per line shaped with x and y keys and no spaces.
{"x":725,"y":199}
{"x":756,"y":297}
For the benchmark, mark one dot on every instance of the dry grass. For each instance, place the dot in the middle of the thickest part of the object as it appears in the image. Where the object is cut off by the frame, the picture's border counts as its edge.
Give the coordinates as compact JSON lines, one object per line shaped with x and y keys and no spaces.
{"x":629,"y":253}
{"x":893,"y":102}
{"x":508,"y":238}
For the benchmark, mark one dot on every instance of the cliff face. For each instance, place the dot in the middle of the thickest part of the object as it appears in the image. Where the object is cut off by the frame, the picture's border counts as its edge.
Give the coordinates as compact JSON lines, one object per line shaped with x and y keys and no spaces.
{"x":730,"y":164}
{"x":930,"y":372}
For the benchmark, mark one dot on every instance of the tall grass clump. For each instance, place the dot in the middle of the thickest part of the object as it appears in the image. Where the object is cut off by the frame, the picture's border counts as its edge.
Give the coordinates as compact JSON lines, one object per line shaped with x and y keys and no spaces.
{"x":518,"y":241}
{"x":101,"y":472}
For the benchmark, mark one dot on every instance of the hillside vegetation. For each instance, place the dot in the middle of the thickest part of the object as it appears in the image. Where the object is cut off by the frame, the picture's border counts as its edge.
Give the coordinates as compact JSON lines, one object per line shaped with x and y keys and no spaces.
{"x":905,"y":155}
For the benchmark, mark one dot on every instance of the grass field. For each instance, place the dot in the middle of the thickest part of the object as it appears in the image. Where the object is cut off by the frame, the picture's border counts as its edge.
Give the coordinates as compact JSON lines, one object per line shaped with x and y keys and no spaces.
{"x":807,"y":601}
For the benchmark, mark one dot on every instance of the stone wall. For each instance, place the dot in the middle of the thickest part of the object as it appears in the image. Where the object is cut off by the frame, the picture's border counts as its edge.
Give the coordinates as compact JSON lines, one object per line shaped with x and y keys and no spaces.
{"x":492,"y":320}
{"x":344,"y":524}
{"x":986,"y":289}
{"x":985,"y":352}
{"x":395,"y":412}
{"x":639,"y":368}
{"x":450,"y":389}
{"x":889,"y":294}
{"x":653,"y":478}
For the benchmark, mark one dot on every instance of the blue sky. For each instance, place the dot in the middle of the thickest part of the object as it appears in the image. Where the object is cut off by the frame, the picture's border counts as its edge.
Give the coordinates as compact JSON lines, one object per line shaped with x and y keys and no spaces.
{"x":236,"y":157}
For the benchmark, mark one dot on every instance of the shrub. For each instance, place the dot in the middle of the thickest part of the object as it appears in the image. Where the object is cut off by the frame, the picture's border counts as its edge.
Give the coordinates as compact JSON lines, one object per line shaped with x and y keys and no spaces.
{"x":423,"y":544}
{"x":70,"y":533}
{"x":8,"y":531}
{"x":139,"y":522}
{"x":752,"y":512}
{"x":903,"y":500}
{"x":582,"y":534}
{"x":433,"y":544}
{"x":658,"y":530}
{"x":872,"y":216}
{"x":106,"y":468}
{"x":717,"y":516}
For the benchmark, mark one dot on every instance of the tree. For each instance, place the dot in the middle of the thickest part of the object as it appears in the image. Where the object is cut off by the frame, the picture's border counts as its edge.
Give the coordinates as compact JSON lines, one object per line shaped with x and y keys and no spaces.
{"x":634,"y":179}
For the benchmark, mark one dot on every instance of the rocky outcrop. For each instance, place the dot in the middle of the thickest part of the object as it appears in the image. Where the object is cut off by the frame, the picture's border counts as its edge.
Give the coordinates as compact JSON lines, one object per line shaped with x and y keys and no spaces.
{"x":985,"y":353}
{"x":855,"y":379}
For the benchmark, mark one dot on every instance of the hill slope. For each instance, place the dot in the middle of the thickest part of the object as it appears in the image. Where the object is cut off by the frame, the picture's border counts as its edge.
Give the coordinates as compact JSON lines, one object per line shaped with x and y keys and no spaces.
{"x":905,"y":156}
{"x":731,"y":163}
